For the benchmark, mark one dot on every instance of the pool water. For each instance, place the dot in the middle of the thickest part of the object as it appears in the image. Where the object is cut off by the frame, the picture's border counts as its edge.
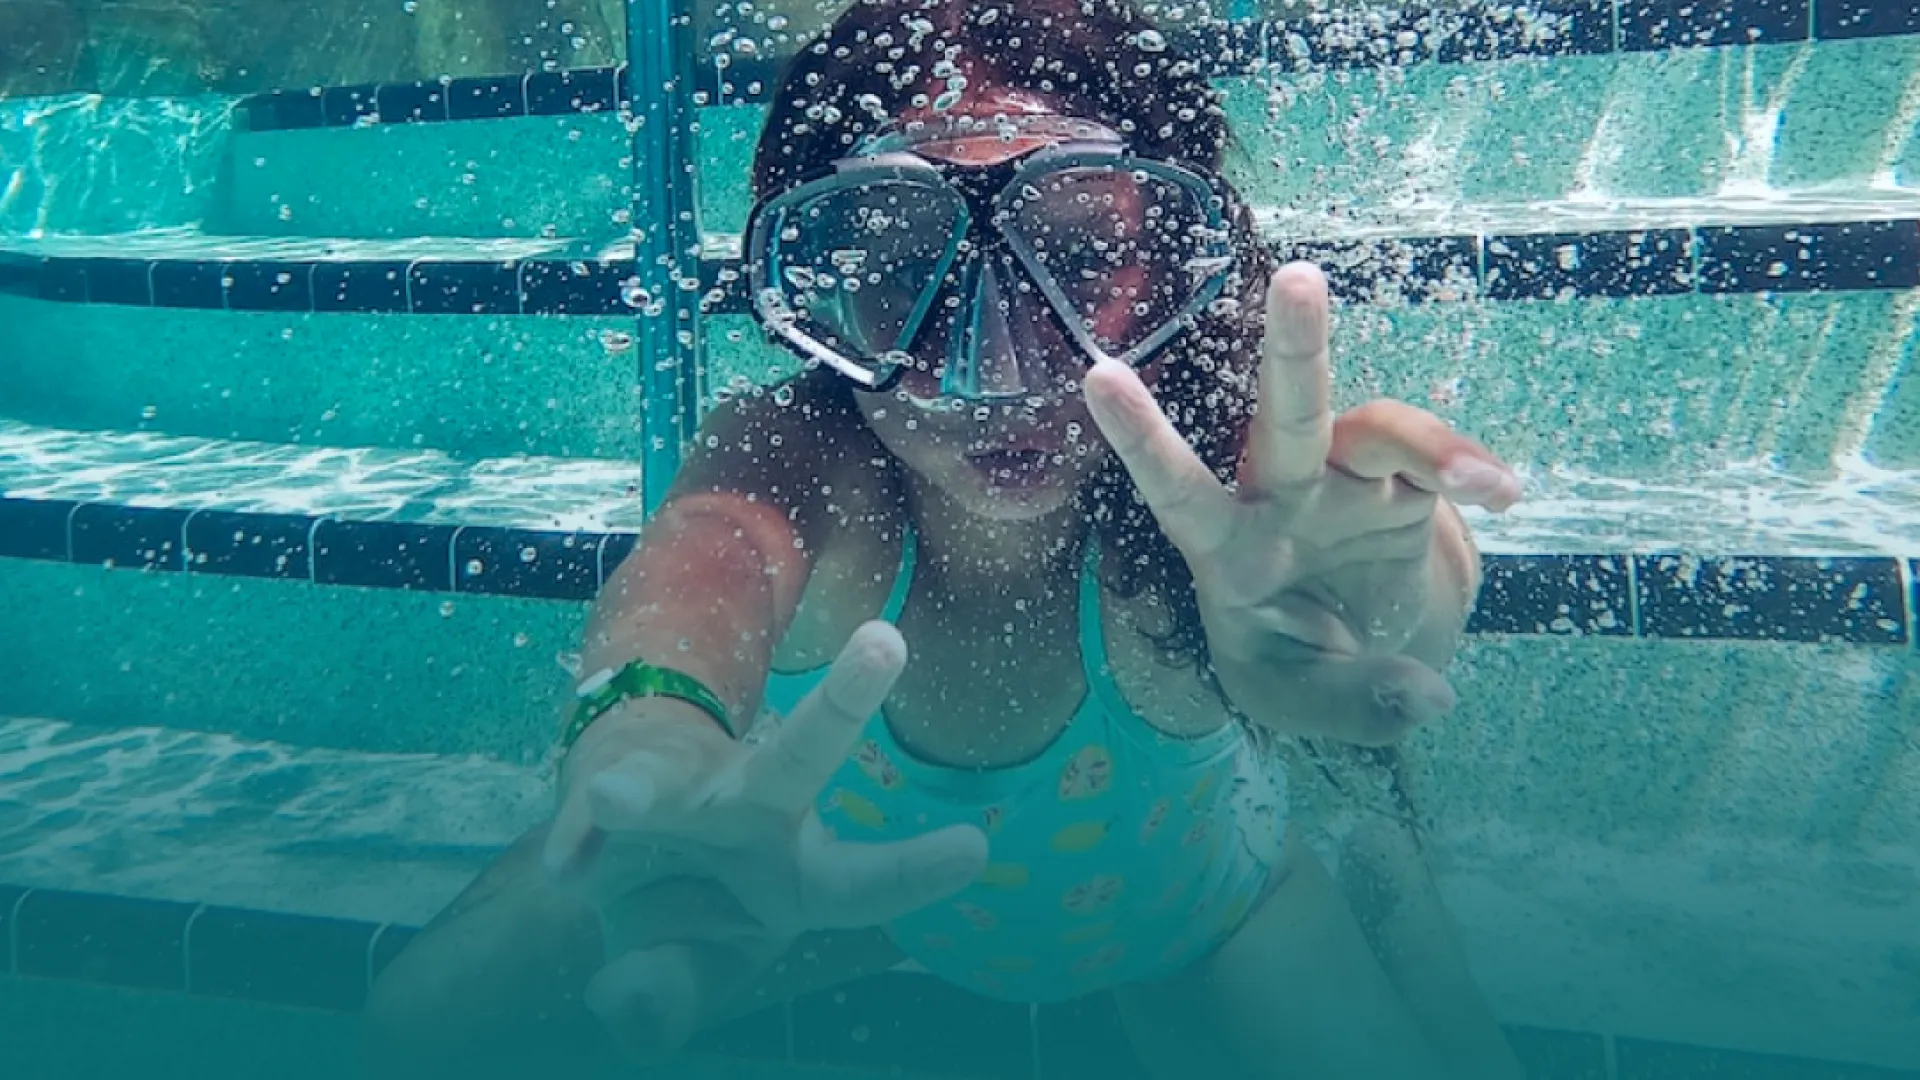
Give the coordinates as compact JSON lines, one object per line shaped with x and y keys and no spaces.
{"x":1676,"y":283}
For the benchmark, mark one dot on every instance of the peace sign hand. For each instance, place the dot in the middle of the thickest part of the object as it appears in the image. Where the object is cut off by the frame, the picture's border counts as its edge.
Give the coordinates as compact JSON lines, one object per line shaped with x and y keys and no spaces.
{"x":705,"y":856}
{"x":1313,"y":571}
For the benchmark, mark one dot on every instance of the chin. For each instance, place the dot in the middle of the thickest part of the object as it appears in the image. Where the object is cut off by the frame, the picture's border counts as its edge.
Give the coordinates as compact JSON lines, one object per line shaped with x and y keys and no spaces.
{"x":1013,"y":496}
{"x":1022,"y":505}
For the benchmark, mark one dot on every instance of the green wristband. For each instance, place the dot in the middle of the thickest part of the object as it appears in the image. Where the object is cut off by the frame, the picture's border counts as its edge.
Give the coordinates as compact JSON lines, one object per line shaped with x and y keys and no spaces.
{"x":606,"y":688}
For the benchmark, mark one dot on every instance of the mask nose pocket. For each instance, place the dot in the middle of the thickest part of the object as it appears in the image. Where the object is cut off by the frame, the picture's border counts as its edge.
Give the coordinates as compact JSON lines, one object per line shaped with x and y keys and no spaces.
{"x":984,"y":355}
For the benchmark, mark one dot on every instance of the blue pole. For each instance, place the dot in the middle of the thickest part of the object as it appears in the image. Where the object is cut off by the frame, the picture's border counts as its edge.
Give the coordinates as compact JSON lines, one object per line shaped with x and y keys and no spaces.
{"x":666,"y":235}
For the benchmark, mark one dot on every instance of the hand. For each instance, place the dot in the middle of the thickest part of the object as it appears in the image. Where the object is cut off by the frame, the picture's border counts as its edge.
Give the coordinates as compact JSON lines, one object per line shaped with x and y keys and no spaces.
{"x":1313,"y":571}
{"x":706,"y":858}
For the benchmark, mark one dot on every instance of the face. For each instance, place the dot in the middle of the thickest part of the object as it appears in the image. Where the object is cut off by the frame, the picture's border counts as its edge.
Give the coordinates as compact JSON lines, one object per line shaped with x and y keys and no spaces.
{"x":1024,"y":459}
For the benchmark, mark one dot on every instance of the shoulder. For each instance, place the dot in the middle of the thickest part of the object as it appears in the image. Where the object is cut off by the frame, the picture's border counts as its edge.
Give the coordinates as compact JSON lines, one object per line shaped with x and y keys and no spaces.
{"x":800,"y":447}
{"x":803,"y":449}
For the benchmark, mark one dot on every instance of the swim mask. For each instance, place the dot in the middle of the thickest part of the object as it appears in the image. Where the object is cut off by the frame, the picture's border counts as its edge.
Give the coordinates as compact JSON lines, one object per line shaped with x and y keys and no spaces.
{"x":890,"y":260}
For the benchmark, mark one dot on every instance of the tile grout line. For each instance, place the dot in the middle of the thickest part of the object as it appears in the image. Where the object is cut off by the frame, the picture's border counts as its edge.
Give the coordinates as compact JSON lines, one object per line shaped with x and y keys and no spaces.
{"x":186,"y":949}
{"x":786,"y":1023}
{"x":313,"y":556}
{"x":13,"y":933}
{"x":453,"y":558}
{"x":1633,"y":593}
{"x":1034,"y":1071}
{"x":1904,"y":569}
{"x":373,"y":946}
{"x":186,"y":556}
{"x":66,"y":556}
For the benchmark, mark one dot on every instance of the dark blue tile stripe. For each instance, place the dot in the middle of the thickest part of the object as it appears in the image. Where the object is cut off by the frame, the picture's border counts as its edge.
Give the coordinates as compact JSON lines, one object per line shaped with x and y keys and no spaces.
{"x":278,"y":958}
{"x":35,"y":529}
{"x":910,"y":1025}
{"x":1678,"y":24}
{"x":95,"y":938}
{"x":1852,"y":600}
{"x":1838,"y":19}
{"x":1436,"y":33}
{"x":1855,"y":600}
{"x":1819,"y":257}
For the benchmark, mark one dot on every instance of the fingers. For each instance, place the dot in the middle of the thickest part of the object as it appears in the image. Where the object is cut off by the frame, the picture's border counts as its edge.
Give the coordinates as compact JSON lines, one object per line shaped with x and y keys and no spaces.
{"x":808,"y":747}
{"x":1371,"y":701}
{"x":637,"y":793}
{"x":681,"y":948}
{"x":1192,"y":507}
{"x":850,"y":886}
{"x":1387,"y":438}
{"x":571,"y":840}
{"x":650,"y":999}
{"x":626,"y":797}
{"x":1288,"y":440}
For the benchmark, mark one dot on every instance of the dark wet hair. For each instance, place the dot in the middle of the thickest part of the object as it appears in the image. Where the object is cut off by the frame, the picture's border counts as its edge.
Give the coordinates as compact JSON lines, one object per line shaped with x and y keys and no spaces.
{"x":1101,"y":60}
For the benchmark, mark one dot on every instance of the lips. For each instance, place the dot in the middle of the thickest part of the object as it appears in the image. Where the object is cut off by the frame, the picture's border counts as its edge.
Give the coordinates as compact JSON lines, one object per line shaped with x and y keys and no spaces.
{"x":1020,"y":458}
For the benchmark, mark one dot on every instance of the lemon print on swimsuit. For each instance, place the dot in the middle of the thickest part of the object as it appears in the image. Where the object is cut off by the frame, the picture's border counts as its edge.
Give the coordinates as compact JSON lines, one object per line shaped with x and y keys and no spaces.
{"x":878,"y":766}
{"x":1100,"y":959}
{"x":858,"y":810}
{"x":1087,"y":774}
{"x":1200,"y":790}
{"x":980,"y":918}
{"x":1156,"y":817}
{"x":1230,"y":918}
{"x":1094,"y":931}
{"x":1080,"y":836}
{"x":1004,"y":876}
{"x":991,"y":817}
{"x":1093,"y":894}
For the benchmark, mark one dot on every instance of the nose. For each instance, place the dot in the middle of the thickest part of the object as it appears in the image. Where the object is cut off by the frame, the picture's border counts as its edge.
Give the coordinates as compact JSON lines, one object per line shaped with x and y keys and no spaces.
{"x":1001,"y":344}
{"x":983,"y":360}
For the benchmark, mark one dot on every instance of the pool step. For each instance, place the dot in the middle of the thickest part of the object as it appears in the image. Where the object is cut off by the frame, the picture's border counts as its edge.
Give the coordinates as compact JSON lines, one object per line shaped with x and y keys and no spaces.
{"x":1723,"y":937}
{"x":400,"y":343}
{"x":1627,"y":772}
{"x":546,"y":154}
{"x":1387,"y":145}
{"x":1635,"y":351}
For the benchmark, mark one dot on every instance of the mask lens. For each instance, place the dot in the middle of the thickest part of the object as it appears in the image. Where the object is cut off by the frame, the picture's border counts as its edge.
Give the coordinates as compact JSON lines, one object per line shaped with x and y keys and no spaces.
{"x":857,"y":267}
{"x":1124,"y":251}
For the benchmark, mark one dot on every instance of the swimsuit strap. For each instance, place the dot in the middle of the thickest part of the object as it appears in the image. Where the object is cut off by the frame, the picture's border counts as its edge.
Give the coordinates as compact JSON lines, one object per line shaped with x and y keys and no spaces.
{"x":903,"y":577}
{"x":1093,"y":638}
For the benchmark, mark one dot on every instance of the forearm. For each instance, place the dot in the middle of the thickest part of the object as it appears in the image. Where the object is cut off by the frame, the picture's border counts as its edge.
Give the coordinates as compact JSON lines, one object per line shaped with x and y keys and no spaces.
{"x":493,"y":986}
{"x":1394,"y":899}
{"x":709,"y":591}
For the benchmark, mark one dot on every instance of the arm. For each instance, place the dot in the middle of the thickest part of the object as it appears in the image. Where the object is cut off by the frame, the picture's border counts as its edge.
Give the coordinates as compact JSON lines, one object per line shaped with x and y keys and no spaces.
{"x":494,"y":985}
{"x":1384,"y":873}
{"x":1392,"y":894}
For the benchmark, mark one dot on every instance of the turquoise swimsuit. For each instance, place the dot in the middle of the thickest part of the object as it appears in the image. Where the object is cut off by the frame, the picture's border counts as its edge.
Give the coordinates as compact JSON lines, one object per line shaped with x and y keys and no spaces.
{"x":1120,"y":854}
